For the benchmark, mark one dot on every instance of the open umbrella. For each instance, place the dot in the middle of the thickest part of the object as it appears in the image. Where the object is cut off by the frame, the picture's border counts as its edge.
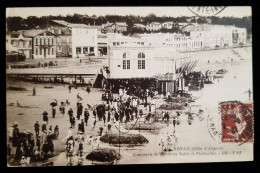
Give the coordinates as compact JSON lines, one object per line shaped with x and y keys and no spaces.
{"x":134,"y":97}
{"x":53,"y":104}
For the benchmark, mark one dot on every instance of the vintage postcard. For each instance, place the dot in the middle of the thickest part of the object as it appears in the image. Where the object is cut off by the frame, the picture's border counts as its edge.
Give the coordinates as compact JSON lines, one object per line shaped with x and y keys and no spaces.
{"x":128,"y":85}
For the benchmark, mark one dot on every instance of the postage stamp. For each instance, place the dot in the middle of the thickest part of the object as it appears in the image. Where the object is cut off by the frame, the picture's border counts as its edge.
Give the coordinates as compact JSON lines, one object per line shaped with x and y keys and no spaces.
{"x":237,"y":122}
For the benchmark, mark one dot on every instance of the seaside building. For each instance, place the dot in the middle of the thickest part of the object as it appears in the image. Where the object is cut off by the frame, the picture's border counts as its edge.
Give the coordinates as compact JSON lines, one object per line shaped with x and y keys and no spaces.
{"x":153,"y":26}
{"x":167,"y":25}
{"x":115,"y":27}
{"x":219,"y":36}
{"x":17,"y":42}
{"x":178,"y":42}
{"x":239,"y":36}
{"x":43,"y":43}
{"x":75,"y":40}
{"x":145,"y":65}
{"x":139,"y":26}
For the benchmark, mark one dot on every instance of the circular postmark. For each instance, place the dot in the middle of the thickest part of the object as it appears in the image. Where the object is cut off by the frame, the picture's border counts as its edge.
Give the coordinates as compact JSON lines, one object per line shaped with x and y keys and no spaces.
{"x":233,"y":124}
{"x":214,"y":128}
{"x":206,"y":10}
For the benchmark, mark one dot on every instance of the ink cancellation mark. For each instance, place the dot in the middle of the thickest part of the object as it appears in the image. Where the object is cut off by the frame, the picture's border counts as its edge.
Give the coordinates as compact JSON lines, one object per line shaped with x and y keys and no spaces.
{"x":213,"y":129}
{"x":207,"y":10}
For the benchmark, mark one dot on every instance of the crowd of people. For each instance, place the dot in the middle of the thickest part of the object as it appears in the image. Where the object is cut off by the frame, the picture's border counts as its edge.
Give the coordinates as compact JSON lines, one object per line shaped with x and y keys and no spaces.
{"x":113,"y":110}
{"x":25,"y":147}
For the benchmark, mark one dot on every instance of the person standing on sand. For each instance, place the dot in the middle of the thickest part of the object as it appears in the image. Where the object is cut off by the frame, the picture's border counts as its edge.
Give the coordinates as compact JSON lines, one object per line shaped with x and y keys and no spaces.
{"x":93,"y":120}
{"x":86,"y":116}
{"x":56,"y":132}
{"x":38,"y":143}
{"x":37,"y":128}
{"x":11,"y":129}
{"x":71,"y":121}
{"x":44,"y":137}
{"x":174,"y":123}
{"x":53,"y":111}
{"x":108,"y":115}
{"x":70,"y":112}
{"x":45,"y":116}
{"x":69,"y":88}
{"x":88,"y":89}
{"x":62,"y":110}
{"x":44,"y":126}
{"x":15,"y":135}
{"x":34,"y":91}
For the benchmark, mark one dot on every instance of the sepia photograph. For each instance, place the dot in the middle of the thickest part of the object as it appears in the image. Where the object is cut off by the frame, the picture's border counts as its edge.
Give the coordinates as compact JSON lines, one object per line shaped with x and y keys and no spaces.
{"x":128,"y":85}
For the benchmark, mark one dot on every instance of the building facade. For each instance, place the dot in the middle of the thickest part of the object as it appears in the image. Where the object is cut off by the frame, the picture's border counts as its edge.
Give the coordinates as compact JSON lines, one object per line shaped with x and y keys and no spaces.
{"x":145,"y":65}
{"x":84,"y":42}
{"x":75,"y":40}
{"x":216,"y":36}
{"x":153,"y":26}
{"x":116,"y":27}
{"x":239,"y":36}
{"x":64,"y":41}
{"x":167,"y":25}
{"x":22,"y":44}
{"x":178,"y":42}
{"x":119,"y":39}
{"x":139,"y":26}
{"x":43,"y":43}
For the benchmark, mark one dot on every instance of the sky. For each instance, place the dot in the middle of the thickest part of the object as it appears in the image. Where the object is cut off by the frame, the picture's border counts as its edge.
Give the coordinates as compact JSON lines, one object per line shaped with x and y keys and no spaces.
{"x":235,"y":11}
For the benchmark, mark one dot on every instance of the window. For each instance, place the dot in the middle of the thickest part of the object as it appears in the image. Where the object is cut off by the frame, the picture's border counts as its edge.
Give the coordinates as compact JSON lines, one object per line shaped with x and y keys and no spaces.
{"x":40,"y":51}
{"x":141,"y":61}
{"x":78,"y":50}
{"x":126,"y":61}
{"x":36,"y":51}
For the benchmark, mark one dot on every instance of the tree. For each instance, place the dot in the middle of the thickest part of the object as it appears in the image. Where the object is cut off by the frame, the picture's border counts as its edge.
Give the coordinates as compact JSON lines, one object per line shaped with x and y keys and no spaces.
{"x":15,"y":23}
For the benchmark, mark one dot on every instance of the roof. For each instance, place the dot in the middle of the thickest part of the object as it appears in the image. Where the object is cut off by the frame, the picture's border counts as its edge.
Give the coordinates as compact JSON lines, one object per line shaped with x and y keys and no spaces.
{"x":139,"y":25}
{"x":131,"y":44}
{"x":34,"y":33}
{"x":98,"y":27}
{"x":77,"y":25}
{"x":183,"y":23}
{"x":72,"y":25}
{"x":168,"y":22}
{"x":15,"y":34}
{"x":155,"y":23}
{"x":61,"y":22}
{"x":121,"y":23}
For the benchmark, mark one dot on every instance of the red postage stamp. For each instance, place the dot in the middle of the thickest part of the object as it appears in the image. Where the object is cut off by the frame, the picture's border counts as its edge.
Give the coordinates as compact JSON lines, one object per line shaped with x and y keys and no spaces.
{"x":237,"y":122}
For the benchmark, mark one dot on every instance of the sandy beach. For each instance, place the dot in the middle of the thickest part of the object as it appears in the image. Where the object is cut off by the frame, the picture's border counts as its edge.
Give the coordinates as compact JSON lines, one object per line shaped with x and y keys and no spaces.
{"x":233,"y":86}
